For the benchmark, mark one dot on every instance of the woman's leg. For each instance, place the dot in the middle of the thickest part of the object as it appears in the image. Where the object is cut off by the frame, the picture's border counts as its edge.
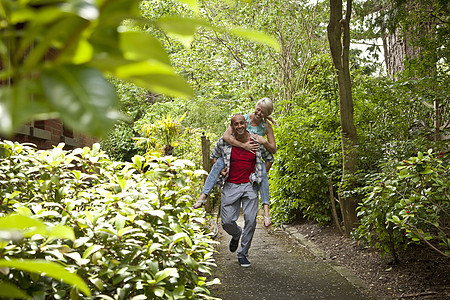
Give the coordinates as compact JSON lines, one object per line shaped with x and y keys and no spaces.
{"x":213,"y":176}
{"x":265,"y":197}
{"x":211,"y":180}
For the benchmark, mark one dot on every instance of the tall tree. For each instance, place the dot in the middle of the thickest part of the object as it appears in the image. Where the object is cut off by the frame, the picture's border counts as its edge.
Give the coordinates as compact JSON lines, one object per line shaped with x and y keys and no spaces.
{"x":338,"y":30}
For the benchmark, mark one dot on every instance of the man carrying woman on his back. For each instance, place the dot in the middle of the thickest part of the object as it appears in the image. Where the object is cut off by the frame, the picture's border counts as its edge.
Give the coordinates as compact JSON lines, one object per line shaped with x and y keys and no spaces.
{"x":259,"y":125}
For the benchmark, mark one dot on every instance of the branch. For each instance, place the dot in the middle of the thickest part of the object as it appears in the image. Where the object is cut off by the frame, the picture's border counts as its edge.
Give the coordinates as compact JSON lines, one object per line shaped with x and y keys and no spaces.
{"x":427,"y":242}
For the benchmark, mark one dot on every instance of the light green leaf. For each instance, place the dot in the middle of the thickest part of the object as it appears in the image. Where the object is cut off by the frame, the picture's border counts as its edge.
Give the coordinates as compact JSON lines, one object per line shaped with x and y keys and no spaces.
{"x":179,"y":236}
{"x":90,"y":250}
{"x":142,"y":68}
{"x":170,"y":85}
{"x":98,"y":283}
{"x":154,"y":247}
{"x":159,"y":291}
{"x":139,"y":46}
{"x":396,"y":219}
{"x":50,"y":269}
{"x":181,"y":29}
{"x":198,"y":173}
{"x":82,"y":96}
{"x":82,"y":53}
{"x":83,"y":8}
{"x":193,"y":4}
{"x":80,"y":241}
{"x":11,"y":291}
{"x":120,"y":222}
{"x":257,"y":37}
{"x":426,"y":171}
{"x":188,"y":260}
{"x":19,"y":222}
{"x":77,"y":257}
{"x":61,"y":231}
{"x":161,"y":275}
{"x":215,"y":281}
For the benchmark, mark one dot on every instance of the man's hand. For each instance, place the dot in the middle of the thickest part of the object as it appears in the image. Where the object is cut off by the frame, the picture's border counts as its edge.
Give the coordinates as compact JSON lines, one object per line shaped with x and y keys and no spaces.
{"x":224,"y":171}
{"x":251,"y":146}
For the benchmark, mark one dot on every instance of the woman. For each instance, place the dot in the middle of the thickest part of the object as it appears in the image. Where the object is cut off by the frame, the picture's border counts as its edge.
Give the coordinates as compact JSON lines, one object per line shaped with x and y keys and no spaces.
{"x":258,"y":126}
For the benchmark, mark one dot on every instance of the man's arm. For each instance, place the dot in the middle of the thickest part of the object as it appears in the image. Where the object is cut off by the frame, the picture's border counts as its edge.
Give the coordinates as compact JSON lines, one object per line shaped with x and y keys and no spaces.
{"x":218,"y":150}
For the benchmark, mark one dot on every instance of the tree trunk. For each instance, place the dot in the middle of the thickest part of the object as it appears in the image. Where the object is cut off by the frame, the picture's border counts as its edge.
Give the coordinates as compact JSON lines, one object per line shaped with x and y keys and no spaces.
{"x":337,"y":28}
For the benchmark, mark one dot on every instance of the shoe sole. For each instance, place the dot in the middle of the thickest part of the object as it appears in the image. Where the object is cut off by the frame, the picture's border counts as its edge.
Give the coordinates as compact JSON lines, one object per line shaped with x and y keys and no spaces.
{"x":245,"y":266}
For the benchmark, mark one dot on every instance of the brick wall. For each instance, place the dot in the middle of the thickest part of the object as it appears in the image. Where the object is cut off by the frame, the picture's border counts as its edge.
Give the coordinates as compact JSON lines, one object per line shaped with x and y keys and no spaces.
{"x":49,"y":133}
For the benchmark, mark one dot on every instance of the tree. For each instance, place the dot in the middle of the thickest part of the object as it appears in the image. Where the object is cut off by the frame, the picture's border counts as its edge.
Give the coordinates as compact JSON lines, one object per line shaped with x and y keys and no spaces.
{"x":337,"y":28}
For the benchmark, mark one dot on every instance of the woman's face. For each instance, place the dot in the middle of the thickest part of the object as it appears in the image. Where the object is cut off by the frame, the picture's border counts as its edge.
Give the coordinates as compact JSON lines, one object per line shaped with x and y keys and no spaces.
{"x":259,"y":112}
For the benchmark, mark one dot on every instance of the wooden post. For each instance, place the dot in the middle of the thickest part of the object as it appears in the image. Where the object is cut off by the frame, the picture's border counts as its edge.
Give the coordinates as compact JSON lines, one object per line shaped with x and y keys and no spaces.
{"x":333,"y":206}
{"x":205,"y":154}
{"x":207,"y":167}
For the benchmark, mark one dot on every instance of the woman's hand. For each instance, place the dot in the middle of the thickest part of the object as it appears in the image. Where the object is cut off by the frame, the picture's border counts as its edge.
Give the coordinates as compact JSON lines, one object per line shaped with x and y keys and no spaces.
{"x":261,"y":140}
{"x":224,"y":171}
{"x":251,"y":146}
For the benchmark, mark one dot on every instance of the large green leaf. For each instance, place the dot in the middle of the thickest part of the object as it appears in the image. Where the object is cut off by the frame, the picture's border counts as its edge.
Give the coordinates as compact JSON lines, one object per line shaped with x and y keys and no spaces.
{"x":33,"y":226}
{"x":17,"y":106}
{"x":82,"y":96}
{"x":142,"y":46}
{"x":257,"y":37}
{"x":11,"y":291}
{"x":87,"y":9}
{"x":19,"y":222}
{"x":171,"y":85}
{"x":182,"y":29}
{"x":50,"y":269}
{"x":161,"y":275}
{"x":193,"y":4}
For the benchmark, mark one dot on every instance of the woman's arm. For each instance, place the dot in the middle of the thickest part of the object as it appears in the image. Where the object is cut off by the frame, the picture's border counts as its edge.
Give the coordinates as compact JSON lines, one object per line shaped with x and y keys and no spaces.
{"x":269,"y":144}
{"x":230,"y":139}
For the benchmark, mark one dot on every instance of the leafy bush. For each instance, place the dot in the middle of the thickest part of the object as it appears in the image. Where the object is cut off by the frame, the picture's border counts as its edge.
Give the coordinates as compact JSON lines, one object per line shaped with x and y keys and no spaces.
{"x":119,"y":144}
{"x":136,"y":235}
{"x":411,"y":206}
{"x":308,"y":148}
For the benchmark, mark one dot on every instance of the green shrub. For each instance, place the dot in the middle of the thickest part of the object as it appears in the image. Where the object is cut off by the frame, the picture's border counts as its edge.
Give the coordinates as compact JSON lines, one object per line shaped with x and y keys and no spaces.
{"x":136,"y":234}
{"x":409,"y":206}
{"x":308,"y":152}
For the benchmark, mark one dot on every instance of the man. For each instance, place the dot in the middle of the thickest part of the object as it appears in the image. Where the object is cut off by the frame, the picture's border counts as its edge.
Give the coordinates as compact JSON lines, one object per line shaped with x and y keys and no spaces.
{"x":241,"y":187}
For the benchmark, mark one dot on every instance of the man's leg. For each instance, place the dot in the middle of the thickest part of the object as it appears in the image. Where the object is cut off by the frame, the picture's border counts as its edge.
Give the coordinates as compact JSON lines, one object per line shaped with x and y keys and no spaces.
{"x":250,"y":208}
{"x":230,"y":209}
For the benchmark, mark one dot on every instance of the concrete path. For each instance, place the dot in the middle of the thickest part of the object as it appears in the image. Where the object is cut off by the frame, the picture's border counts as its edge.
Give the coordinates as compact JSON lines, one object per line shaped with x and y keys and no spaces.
{"x":282,"y":268}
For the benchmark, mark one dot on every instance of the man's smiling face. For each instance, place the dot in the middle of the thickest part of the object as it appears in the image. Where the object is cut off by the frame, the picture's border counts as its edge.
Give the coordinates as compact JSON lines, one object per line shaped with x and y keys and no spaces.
{"x":239,"y":125}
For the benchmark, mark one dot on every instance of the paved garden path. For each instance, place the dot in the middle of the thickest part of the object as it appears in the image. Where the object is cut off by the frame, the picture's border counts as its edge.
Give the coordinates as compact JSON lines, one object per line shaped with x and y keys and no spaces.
{"x":283,"y":266}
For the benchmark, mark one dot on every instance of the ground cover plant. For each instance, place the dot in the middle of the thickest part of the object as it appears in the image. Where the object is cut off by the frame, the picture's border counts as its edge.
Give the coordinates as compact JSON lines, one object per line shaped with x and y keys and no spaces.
{"x":135,"y":235}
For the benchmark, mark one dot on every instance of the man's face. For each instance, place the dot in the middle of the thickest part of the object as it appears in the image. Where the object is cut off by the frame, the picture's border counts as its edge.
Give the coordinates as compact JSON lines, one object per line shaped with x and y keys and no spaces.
{"x":238,"y":124}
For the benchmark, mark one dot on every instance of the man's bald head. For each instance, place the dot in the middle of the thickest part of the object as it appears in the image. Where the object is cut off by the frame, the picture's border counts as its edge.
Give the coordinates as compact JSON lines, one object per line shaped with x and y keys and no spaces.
{"x":237,"y":118}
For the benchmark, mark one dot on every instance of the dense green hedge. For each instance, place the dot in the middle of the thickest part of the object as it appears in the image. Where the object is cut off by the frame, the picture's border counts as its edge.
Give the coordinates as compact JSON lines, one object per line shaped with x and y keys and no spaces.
{"x":308,"y":152}
{"x":135,"y":233}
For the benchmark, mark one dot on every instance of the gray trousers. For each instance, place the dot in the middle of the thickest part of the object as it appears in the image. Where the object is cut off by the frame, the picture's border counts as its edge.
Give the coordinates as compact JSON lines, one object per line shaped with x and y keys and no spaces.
{"x":233,"y":196}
